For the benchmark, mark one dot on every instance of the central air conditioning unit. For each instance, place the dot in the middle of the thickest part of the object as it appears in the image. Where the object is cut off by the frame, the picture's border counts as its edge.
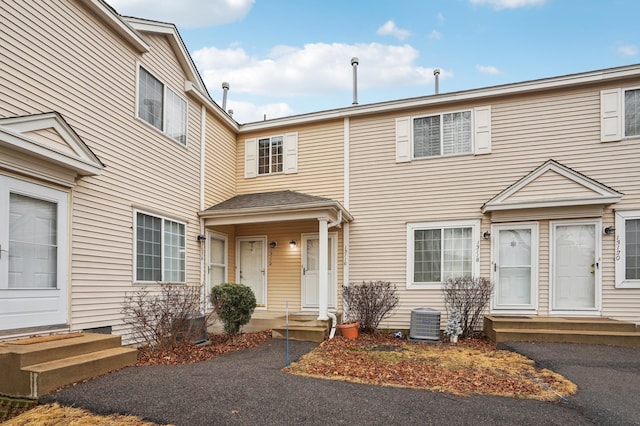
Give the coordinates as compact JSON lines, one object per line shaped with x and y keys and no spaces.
{"x":425,"y":325}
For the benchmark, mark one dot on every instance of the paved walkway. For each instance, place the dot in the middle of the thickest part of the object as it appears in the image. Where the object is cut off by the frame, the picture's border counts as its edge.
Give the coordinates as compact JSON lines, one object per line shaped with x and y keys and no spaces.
{"x":248,"y":388}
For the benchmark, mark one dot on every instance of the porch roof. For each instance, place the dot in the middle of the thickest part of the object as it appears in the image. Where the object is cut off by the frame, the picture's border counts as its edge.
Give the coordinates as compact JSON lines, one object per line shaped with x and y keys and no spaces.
{"x":275,"y":206}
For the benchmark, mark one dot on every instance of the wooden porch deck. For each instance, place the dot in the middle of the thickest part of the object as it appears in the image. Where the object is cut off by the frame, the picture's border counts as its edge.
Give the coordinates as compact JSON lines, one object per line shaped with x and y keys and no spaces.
{"x":590,"y":330}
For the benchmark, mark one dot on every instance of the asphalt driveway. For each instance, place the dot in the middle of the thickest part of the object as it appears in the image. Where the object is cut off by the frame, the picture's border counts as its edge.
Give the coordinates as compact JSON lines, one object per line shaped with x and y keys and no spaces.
{"x":248,"y":388}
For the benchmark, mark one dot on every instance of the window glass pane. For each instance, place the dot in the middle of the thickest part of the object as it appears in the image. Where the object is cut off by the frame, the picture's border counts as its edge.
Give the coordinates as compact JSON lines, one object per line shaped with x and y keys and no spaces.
{"x":216,"y":251}
{"x":276,"y":154}
{"x":150,"y":99}
{"x":632,"y":112}
{"x":33,"y":239}
{"x":456,"y":133}
{"x":263,"y":156}
{"x":632,"y":249}
{"x":427,"y":255}
{"x":457,"y":253}
{"x":174,"y":248}
{"x":426,"y":136}
{"x":148,"y":248}
{"x":217,"y":261}
{"x":176,"y":117}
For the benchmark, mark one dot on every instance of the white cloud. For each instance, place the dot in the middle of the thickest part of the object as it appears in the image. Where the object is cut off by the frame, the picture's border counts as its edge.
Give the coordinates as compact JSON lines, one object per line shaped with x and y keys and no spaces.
{"x":627,"y":49}
{"x":314,"y":69}
{"x":488,"y":69}
{"x":185,"y":13}
{"x":436,"y":35}
{"x":509,"y":4}
{"x":389,"y":28}
{"x":440,"y":17}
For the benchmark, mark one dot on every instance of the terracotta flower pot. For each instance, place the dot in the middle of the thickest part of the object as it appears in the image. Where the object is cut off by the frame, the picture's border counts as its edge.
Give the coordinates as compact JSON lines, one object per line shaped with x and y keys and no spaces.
{"x":349,"y":329}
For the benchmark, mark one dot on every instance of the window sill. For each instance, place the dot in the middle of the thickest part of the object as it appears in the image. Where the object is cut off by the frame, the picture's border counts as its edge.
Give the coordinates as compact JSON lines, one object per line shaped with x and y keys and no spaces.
{"x":424,"y":286}
{"x":628,"y":284}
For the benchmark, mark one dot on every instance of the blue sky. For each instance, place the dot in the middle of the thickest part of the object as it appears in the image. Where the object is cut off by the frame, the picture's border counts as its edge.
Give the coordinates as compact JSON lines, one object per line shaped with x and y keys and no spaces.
{"x":286,"y":57}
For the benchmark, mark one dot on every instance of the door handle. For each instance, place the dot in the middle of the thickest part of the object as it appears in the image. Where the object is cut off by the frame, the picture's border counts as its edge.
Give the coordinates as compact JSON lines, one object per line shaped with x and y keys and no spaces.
{"x":304,"y":271}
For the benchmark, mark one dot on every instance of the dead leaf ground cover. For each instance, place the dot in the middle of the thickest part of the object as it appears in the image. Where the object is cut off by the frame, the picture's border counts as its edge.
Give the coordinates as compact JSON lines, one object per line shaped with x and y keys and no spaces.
{"x":472,"y":366}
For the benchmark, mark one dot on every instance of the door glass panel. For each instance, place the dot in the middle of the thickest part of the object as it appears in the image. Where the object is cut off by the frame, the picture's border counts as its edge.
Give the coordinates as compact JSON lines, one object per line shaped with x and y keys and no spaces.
{"x":514,"y":263}
{"x":575,"y":272}
{"x":311,"y":273}
{"x":33,"y":250}
{"x":252,"y":268}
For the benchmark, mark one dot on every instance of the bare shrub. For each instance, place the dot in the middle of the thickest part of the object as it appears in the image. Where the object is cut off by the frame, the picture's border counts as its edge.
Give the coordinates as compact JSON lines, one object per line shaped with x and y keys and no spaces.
{"x":164,"y":316}
{"x":369,"y":302}
{"x":469,"y":297}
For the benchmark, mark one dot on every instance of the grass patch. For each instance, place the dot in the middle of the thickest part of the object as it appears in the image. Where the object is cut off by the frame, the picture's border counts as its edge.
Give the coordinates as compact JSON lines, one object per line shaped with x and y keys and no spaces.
{"x":471,"y":367}
{"x":54,"y":414}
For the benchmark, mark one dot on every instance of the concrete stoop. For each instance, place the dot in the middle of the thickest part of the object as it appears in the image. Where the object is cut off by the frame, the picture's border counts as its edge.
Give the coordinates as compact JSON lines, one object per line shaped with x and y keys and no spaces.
{"x":35,"y":366}
{"x":596,"y":331}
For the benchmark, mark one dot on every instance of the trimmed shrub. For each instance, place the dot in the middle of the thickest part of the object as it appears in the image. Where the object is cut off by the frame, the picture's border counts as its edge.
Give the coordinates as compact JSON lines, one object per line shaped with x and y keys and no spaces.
{"x":234,"y":304}
{"x":370,"y":302}
{"x":469,"y":297}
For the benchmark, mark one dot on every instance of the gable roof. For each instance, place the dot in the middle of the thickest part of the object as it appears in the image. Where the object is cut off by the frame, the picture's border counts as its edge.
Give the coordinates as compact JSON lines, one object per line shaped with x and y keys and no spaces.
{"x":274,"y":206}
{"x":552,"y":185}
{"x":49,"y":137}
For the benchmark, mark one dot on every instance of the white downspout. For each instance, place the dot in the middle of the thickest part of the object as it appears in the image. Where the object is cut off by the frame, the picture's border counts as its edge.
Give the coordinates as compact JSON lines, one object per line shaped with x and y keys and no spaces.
{"x":334,"y":320}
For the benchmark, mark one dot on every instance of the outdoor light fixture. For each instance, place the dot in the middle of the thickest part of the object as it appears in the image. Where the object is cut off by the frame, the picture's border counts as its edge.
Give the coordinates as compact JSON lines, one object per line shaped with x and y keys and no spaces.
{"x":273,"y":244}
{"x":293,"y":243}
{"x":609,"y":230}
{"x":486,"y":235}
{"x":201,"y":238}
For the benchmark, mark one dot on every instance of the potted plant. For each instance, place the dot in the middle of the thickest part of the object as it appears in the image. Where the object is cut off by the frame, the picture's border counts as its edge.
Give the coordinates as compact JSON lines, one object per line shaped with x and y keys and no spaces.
{"x":454,"y":328}
{"x":349,"y":329}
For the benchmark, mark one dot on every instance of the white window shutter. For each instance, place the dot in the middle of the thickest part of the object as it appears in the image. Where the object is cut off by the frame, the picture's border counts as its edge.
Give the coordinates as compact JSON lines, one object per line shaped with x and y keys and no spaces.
{"x":291,"y":153}
{"x":403,"y":139}
{"x":482,"y":129}
{"x":250,"y":158}
{"x":611,"y":115}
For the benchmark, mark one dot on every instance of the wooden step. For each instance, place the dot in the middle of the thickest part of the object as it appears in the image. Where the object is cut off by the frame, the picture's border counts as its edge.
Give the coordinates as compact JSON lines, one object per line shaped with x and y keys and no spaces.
{"x":48,"y":376}
{"x":560,"y":323}
{"x":301,"y":333}
{"x":615,"y":338}
{"x":32,"y":366}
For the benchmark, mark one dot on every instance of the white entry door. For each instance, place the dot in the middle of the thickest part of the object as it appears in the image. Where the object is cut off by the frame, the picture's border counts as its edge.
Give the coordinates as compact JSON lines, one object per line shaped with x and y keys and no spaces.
{"x":33,"y":255}
{"x":310,"y":263}
{"x":252,"y":261}
{"x":515,"y":266}
{"x":576,"y":266}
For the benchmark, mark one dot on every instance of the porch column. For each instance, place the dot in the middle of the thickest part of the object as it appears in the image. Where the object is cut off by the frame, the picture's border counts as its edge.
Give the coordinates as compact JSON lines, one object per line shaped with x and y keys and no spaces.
{"x":323,"y":270}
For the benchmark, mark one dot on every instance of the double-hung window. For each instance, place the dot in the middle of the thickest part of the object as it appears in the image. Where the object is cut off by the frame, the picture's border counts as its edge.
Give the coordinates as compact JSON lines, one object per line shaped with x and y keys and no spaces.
{"x":270,"y":155}
{"x":437,"y":252}
{"x":161,"y":107}
{"x":442,"y":134}
{"x":632,"y":112}
{"x":160,"y":249}
{"x":627,"y":249}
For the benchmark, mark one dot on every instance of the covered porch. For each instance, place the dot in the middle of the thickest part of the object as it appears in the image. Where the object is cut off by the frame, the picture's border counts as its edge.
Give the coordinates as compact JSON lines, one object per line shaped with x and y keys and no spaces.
{"x":287,"y":246}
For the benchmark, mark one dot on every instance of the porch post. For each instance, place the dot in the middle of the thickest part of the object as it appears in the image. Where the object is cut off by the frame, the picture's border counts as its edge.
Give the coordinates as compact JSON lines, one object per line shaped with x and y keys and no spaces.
{"x":323,"y":270}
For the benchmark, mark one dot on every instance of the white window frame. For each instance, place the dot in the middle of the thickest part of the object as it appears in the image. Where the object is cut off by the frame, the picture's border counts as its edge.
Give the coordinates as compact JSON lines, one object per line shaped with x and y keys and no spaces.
{"x":624,"y":115}
{"x":271,"y":154}
{"x":441,"y":115}
{"x":162,"y":249}
{"x":165,"y":108}
{"x":621,"y":218}
{"x":475,"y":241}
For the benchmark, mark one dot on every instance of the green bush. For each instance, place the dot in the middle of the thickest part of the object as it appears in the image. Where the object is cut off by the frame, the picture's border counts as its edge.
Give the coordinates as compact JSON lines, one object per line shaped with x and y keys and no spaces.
{"x":234,"y":304}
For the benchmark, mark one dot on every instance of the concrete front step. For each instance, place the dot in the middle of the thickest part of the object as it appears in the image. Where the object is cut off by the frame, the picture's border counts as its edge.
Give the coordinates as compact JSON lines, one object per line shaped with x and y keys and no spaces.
{"x":48,"y":376}
{"x":303,"y":333}
{"x":33,"y":366}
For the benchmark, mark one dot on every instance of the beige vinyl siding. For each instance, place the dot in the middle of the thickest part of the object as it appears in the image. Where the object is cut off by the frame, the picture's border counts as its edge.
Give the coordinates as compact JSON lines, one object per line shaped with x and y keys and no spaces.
{"x":320,"y":162}
{"x":526,"y":132}
{"x":551,"y":183}
{"x":284,"y":274}
{"x":51,"y":138}
{"x":220,"y":182}
{"x":145,"y":169}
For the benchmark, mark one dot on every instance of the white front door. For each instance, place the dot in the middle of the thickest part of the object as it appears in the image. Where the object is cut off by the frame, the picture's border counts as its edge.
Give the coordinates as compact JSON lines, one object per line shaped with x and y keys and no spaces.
{"x":252,"y":261}
{"x":515,"y":266}
{"x":310,"y":271}
{"x":576,"y":266}
{"x":33,"y":255}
